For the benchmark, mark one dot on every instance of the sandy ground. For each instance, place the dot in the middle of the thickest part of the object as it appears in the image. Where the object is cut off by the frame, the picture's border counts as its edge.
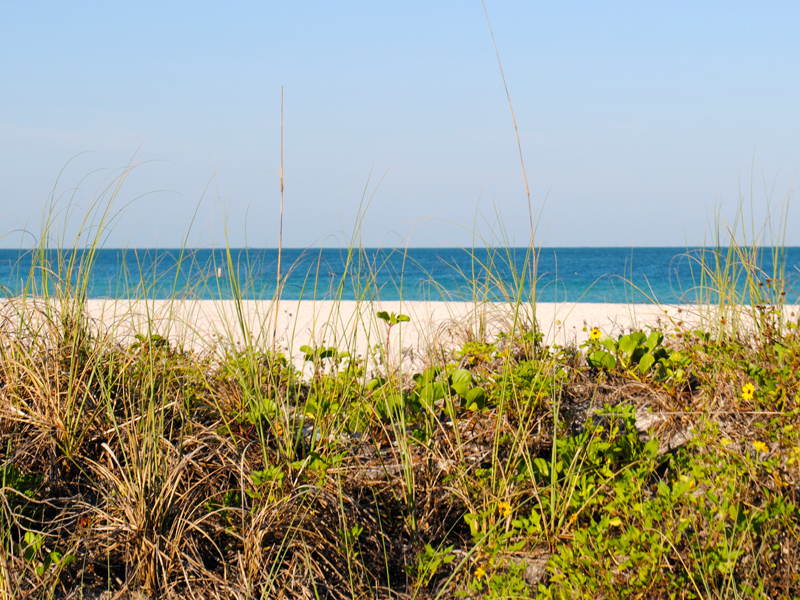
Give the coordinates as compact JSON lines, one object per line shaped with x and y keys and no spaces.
{"x":207,"y":325}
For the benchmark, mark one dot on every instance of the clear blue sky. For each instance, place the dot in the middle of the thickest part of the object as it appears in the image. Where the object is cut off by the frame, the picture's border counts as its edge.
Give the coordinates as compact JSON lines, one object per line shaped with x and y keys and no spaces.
{"x":635,"y":117}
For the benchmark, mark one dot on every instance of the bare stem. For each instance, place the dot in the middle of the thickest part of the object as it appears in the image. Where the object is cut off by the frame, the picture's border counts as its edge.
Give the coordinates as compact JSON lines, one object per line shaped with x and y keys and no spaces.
{"x":280,"y":242}
{"x":513,"y":119}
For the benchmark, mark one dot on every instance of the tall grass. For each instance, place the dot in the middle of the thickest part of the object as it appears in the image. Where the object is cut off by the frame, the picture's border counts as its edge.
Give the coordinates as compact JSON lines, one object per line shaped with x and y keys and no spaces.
{"x":739,"y":281}
{"x":149,"y":454}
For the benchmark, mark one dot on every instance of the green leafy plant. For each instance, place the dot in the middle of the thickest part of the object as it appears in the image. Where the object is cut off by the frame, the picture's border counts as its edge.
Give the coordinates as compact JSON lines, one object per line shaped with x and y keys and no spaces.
{"x":32,"y":547}
{"x":636,"y":353}
{"x":390,"y":319}
{"x":429,"y":561}
{"x":472,"y":396}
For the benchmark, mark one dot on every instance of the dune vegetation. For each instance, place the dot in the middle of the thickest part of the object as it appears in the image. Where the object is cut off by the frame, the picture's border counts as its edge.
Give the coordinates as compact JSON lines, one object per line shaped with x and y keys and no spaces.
{"x":663,"y":463}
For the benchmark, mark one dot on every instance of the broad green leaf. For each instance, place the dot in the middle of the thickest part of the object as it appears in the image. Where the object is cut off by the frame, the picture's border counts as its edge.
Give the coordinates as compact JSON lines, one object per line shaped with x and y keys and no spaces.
{"x":375,"y":383}
{"x":472,"y":521}
{"x":461,"y":376}
{"x":432,"y":392}
{"x":601,"y":359}
{"x":461,"y":389}
{"x":638,"y":337}
{"x":476,"y":399}
{"x":608,"y":342}
{"x":645,"y":363}
{"x":627,"y":344}
{"x":654,"y":340}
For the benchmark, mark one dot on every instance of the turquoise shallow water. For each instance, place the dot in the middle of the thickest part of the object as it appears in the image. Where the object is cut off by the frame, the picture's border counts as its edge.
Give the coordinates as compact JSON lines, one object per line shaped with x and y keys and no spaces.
{"x":667,"y":275}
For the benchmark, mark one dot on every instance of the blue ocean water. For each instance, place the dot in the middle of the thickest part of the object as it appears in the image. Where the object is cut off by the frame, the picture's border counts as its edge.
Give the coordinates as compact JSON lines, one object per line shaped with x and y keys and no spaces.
{"x":642,"y":275}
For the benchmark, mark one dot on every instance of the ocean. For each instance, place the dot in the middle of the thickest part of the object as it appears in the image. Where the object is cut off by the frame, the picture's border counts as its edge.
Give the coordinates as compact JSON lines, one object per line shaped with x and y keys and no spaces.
{"x":640,"y":275}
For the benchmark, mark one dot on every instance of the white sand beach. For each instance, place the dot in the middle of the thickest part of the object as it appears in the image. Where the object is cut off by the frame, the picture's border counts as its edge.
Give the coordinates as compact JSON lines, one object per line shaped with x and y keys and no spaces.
{"x":207,"y":325}
{"x":216,"y":326}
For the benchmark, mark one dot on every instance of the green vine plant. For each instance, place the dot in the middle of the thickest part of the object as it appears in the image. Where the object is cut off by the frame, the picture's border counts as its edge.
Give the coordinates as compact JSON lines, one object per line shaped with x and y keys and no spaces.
{"x":391,"y":319}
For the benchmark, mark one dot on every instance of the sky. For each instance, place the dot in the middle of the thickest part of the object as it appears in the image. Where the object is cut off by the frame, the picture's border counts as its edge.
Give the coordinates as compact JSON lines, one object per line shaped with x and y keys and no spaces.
{"x":639,"y":121}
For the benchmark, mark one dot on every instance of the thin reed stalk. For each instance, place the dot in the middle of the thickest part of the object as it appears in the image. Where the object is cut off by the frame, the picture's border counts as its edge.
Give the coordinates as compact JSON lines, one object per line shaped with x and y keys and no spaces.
{"x":278,"y":283}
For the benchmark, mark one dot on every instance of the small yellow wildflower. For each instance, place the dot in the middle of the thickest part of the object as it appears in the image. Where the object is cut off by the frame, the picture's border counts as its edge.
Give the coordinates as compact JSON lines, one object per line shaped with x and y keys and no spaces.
{"x":748,"y":389}
{"x":504,"y":508}
{"x":480,"y":573}
{"x":725,"y":442}
{"x":760,"y":446}
{"x":595,"y":333}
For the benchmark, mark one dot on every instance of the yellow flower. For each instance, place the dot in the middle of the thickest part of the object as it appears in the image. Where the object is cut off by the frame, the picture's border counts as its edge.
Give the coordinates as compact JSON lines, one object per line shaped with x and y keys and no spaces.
{"x":480,"y":573}
{"x":748,"y":389}
{"x":725,"y":442}
{"x":760,"y":446}
{"x":595,"y":333}
{"x":504,"y":508}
